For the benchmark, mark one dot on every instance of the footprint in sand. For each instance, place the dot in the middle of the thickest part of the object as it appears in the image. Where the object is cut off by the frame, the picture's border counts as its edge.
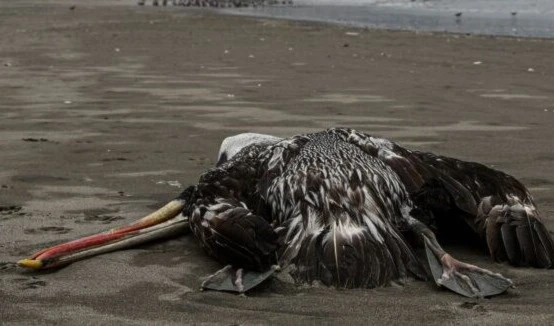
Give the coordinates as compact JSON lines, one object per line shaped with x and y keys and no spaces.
{"x":471,"y":305}
{"x":5,"y":266}
{"x":9,"y":210}
{"x":99,"y":215}
{"x":104,"y":219}
{"x":52,"y":229}
{"x":29,"y":282}
{"x":111,"y":159}
{"x":37,"y":178}
{"x":177,"y":295}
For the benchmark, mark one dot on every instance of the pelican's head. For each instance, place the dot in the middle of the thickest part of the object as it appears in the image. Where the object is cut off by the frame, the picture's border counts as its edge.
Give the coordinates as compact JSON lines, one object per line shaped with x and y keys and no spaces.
{"x":233,"y":144}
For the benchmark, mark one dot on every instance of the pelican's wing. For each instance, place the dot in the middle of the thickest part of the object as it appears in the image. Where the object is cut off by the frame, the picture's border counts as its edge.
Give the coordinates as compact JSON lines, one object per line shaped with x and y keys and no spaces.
{"x":222,"y":215}
{"x":453,"y":194}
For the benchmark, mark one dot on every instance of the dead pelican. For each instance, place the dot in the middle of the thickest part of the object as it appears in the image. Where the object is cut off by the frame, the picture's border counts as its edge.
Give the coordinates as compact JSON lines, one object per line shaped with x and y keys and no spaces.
{"x":338,"y":206}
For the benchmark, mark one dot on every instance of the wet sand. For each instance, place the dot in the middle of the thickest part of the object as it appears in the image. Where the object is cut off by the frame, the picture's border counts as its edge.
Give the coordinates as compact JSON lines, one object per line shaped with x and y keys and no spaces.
{"x":106,"y":109}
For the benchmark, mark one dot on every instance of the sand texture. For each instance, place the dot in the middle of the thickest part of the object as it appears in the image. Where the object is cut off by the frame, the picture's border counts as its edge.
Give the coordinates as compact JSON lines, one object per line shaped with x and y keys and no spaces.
{"x":108,"y":109}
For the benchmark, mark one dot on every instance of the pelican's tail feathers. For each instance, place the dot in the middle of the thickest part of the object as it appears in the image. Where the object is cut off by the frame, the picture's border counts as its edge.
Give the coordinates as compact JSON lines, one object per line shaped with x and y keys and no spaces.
{"x":349,"y":257}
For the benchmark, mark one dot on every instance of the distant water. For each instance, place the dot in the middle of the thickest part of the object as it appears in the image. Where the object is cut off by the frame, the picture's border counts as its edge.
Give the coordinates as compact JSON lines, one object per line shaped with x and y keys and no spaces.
{"x":522,"y":18}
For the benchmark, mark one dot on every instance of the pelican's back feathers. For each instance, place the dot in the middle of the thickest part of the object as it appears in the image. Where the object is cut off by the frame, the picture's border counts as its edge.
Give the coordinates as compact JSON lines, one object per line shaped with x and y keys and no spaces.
{"x":340,"y":212}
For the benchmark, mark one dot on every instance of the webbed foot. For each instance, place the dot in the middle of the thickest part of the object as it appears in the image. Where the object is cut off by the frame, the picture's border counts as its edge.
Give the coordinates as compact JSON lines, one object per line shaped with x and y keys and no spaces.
{"x":465,"y":279}
{"x":230,"y":279}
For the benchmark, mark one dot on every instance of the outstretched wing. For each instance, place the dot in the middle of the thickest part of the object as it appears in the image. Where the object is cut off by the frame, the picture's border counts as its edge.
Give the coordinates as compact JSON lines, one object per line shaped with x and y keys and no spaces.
{"x":496,"y":206}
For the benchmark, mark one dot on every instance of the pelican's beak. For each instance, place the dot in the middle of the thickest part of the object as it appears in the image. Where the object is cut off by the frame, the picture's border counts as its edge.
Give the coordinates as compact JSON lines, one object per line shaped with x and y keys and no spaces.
{"x":164,"y":222}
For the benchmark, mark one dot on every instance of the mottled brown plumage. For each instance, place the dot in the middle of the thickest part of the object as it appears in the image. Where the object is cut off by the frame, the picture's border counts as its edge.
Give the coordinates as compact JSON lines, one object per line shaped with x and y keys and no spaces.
{"x":336,"y":205}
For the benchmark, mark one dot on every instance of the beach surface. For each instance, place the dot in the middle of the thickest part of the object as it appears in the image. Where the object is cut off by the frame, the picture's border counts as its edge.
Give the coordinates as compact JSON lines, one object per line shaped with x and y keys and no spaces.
{"x":108,"y":109}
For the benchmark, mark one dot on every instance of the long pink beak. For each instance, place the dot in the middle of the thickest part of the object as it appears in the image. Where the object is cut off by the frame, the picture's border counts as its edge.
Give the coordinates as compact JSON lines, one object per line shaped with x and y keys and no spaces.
{"x":165,"y":222}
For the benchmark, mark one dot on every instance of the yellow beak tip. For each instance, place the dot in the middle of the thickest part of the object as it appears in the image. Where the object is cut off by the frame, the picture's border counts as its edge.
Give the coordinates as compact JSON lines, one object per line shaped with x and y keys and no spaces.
{"x":30,"y":263}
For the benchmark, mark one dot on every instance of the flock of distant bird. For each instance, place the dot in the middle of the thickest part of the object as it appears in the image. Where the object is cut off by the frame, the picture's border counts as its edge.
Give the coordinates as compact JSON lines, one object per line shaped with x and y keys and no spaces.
{"x":459,"y":13}
{"x":216,"y":3}
{"x":238,"y":3}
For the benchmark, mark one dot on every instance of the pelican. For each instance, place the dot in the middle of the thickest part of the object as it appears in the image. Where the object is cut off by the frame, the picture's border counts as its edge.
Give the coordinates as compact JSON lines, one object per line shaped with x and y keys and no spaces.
{"x":342,"y":208}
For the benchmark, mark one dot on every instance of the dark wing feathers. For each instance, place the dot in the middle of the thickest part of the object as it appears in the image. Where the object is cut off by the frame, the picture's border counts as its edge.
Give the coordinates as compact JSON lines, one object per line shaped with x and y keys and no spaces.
{"x":515,"y":233}
{"x":232,"y":234}
{"x":545,"y":256}
{"x":496,"y":206}
{"x":222,"y":218}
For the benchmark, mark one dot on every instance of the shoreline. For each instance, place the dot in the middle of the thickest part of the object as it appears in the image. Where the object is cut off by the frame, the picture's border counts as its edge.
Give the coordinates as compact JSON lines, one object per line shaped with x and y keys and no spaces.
{"x":415,"y":19}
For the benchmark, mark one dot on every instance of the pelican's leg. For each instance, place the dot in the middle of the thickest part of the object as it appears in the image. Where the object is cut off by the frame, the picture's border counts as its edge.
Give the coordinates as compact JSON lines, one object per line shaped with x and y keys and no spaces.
{"x":462,"y":278}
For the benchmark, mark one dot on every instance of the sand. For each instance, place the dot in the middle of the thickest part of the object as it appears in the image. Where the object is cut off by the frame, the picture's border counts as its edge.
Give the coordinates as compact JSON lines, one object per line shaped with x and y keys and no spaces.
{"x":107,"y":109}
